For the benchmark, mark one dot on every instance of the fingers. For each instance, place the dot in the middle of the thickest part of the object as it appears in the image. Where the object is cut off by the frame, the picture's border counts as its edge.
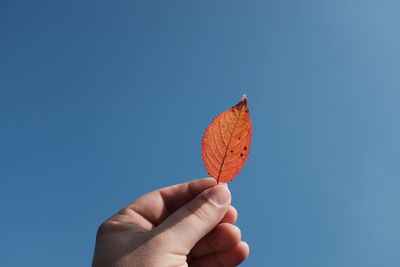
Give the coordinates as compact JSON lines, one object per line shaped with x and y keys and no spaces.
{"x":227,"y":258}
{"x":151,"y":209}
{"x":185,"y":227}
{"x":230,"y":216}
{"x":224,"y":237}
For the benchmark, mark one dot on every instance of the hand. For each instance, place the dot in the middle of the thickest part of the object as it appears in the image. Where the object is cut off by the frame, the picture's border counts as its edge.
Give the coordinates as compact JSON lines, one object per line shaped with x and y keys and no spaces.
{"x":190,"y":224}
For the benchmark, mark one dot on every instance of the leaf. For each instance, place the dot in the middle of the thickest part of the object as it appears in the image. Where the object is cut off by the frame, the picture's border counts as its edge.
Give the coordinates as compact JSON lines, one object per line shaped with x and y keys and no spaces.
{"x":226,"y":142}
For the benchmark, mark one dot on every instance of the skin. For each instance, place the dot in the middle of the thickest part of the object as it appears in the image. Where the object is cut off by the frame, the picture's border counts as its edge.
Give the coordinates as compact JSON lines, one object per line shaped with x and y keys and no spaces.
{"x":190,"y":224}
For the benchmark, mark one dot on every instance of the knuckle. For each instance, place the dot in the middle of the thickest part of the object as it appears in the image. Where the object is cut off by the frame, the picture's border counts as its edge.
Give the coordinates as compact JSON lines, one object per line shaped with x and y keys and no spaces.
{"x":105,"y":227}
{"x":199,"y":213}
{"x":101,"y":229}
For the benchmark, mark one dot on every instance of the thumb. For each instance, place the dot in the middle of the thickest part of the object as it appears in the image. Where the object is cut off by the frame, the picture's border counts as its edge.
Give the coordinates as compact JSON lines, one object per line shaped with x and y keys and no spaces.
{"x":185,"y":227}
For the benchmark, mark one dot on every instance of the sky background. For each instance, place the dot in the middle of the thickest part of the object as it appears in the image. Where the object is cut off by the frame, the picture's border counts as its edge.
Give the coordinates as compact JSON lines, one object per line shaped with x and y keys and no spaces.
{"x":103,"y":101}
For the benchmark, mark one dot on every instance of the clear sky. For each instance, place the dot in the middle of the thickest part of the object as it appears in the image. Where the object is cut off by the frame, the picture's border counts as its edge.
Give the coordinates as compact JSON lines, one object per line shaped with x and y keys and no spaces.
{"x":103,"y":101}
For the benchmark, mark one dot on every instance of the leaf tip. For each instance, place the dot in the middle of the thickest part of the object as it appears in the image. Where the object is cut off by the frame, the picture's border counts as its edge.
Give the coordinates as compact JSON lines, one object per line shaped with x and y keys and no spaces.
{"x":244,"y":99}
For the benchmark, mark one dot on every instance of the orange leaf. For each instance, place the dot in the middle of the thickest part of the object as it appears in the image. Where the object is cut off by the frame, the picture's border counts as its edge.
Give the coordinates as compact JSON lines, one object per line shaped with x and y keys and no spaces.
{"x":226,"y":142}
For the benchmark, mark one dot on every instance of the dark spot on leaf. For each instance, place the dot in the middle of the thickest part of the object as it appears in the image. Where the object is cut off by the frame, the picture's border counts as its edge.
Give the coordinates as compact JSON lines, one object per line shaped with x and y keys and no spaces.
{"x":239,"y":138}
{"x":231,"y":151}
{"x":245,"y":148}
{"x":241,"y":154}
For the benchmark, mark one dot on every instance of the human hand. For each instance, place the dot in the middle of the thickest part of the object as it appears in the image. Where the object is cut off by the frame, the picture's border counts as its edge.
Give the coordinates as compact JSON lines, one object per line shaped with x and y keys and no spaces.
{"x":190,"y":224}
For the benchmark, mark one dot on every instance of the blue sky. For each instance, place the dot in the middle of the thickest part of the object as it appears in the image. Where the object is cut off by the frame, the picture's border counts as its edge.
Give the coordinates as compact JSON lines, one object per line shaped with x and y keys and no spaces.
{"x":103,"y":101}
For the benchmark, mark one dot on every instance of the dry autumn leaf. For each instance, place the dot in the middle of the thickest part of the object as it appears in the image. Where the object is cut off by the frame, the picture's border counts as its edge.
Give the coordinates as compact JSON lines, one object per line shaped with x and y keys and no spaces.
{"x":226,"y":142}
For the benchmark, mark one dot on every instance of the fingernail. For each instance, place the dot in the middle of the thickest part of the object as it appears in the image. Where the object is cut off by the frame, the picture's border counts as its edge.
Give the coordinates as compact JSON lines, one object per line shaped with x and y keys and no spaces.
{"x":219,"y":194}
